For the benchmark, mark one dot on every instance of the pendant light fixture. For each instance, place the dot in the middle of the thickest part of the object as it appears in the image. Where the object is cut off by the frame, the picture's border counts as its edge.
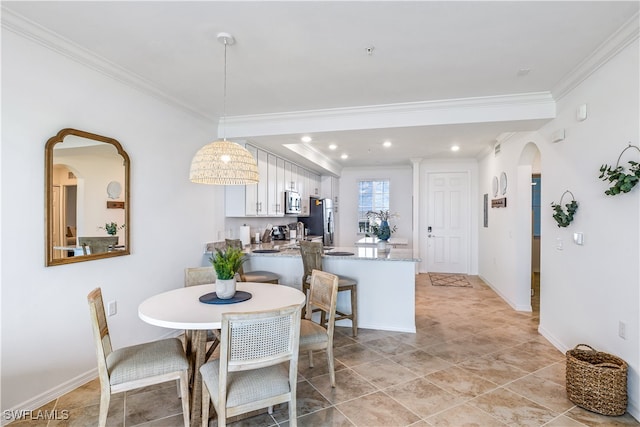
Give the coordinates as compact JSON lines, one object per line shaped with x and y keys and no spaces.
{"x":224,"y":162}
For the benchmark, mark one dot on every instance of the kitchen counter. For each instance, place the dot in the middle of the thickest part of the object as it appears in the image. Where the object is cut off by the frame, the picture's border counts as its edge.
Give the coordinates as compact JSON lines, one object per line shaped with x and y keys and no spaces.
{"x":386,"y":280}
{"x":373,"y":241}
{"x":359,"y":253}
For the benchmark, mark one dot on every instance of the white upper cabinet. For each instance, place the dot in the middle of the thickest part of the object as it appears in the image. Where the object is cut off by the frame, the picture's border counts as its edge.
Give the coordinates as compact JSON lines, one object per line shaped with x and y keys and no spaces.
{"x":266,"y":198}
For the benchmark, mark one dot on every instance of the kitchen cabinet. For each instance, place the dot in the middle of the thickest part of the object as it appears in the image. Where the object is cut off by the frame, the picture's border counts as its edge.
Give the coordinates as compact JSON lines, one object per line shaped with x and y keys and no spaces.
{"x":251,"y":199}
{"x":266,"y":198}
{"x":275,"y":186}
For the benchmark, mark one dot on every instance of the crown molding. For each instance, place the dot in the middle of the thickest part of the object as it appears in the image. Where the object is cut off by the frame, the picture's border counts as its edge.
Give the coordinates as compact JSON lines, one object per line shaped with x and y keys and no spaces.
{"x":623,"y":37}
{"x":526,"y":106}
{"x":314,"y":156}
{"x":29,"y":30}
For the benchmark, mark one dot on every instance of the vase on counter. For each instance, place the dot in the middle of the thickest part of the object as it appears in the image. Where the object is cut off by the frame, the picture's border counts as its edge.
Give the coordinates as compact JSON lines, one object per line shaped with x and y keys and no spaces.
{"x":225,"y":288}
{"x":385,"y":232}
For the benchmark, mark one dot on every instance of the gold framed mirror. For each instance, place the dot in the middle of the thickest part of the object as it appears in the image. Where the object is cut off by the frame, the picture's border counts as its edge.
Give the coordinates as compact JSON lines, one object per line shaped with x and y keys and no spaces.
{"x":86,"y":198}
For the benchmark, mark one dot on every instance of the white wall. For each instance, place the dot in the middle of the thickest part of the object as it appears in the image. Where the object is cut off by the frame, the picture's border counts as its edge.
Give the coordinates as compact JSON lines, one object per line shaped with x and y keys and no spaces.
{"x":47,"y":344}
{"x":585,"y":290}
{"x":400,"y":197}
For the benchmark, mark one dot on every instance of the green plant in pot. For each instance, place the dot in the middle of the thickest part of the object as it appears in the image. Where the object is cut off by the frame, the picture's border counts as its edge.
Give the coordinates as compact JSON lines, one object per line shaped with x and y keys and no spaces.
{"x":112,"y":228}
{"x":226,"y":263}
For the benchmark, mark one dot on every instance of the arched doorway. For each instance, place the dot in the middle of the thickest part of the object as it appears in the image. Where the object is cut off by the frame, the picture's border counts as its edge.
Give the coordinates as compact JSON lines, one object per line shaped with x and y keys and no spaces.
{"x":528,"y":226}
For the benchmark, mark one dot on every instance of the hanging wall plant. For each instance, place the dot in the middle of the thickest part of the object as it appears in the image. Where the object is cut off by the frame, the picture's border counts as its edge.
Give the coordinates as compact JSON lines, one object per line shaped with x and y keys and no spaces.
{"x":621,"y":179}
{"x":564,"y":214}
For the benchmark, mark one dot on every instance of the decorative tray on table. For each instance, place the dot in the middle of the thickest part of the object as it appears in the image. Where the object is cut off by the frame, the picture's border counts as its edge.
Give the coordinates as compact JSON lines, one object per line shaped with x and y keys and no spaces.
{"x":265,"y":251}
{"x":338,"y":253}
{"x":212,"y":298}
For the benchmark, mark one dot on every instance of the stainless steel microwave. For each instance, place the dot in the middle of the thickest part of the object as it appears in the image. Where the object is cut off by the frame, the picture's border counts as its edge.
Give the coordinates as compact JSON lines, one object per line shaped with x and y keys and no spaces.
{"x":292,"y":202}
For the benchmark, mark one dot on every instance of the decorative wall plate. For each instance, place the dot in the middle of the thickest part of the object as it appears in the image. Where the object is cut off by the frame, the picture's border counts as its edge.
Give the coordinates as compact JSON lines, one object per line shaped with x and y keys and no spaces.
{"x":494,"y":186}
{"x":503,"y":183}
{"x":114,"y":189}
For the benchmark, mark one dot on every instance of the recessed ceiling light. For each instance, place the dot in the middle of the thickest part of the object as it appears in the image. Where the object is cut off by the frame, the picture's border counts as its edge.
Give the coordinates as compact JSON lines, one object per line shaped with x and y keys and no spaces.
{"x":344,"y":156}
{"x":332,"y":146}
{"x":305,"y":139}
{"x":387,"y":143}
{"x":455,"y":148}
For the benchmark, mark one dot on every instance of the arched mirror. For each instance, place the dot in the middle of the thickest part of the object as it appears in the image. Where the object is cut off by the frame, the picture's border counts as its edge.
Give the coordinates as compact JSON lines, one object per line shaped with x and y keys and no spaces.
{"x":87,"y":198}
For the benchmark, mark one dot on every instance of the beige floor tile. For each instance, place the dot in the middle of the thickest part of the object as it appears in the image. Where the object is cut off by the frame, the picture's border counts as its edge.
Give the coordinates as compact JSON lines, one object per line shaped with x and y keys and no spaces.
{"x":423,"y":397}
{"x":320,"y":364}
{"x":385,"y":373}
{"x":563,"y":421}
{"x":308,"y":400}
{"x":377,"y":409}
{"x":592,"y":419}
{"x":349,"y":385}
{"x":152,"y":405}
{"x":85,"y":395}
{"x":88,"y":416}
{"x":460,"y":382}
{"x":464,"y":416}
{"x":329,"y":417}
{"x":547,"y":393}
{"x":525,"y":360}
{"x":421,"y":362}
{"x":556,"y":373}
{"x":492,"y":369}
{"x":356,"y":354}
{"x":513,"y":409}
{"x":389,"y":346}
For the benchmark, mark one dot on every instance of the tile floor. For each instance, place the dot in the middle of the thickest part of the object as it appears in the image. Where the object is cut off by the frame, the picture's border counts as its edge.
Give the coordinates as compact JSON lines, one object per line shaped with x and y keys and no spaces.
{"x":473,"y":362}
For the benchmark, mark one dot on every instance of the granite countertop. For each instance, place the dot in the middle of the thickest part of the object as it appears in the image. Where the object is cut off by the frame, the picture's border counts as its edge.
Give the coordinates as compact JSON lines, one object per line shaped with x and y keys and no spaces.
{"x":286,"y":249}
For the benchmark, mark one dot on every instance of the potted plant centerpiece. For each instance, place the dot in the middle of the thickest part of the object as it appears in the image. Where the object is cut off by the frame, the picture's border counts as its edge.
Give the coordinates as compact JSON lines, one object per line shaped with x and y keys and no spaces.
{"x":379,"y":226}
{"x":226,"y":263}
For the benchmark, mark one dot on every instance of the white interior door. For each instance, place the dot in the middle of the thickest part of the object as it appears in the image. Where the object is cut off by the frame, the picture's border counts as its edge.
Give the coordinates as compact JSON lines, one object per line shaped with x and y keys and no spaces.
{"x":448,"y":223}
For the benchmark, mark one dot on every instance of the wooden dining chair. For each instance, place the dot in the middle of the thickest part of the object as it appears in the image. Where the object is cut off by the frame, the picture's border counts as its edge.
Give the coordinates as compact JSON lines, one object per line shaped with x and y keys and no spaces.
{"x":253,"y":276}
{"x":258,"y":364}
{"x":311,"y":253}
{"x":136,"y":366}
{"x":323,"y":296}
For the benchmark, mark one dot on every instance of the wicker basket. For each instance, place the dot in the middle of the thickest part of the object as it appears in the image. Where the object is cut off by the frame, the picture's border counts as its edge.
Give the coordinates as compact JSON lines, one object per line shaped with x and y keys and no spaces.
{"x":597,"y":381}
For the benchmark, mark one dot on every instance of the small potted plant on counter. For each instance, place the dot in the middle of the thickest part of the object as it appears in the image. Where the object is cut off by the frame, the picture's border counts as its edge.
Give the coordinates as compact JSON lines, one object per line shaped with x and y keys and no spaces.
{"x":226,"y":263}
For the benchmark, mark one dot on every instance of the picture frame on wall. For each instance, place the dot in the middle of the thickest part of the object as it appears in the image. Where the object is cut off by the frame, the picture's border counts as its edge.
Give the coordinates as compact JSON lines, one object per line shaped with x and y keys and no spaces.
{"x":486,"y":210}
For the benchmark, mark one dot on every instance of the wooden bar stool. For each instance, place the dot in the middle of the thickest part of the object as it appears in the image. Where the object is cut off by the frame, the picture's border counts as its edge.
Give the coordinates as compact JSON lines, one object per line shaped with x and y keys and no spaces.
{"x":312,"y":260}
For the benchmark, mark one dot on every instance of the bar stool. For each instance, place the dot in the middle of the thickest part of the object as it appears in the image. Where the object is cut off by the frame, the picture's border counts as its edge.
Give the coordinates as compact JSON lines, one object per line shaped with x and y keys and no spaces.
{"x":312,"y":259}
{"x":253,"y":276}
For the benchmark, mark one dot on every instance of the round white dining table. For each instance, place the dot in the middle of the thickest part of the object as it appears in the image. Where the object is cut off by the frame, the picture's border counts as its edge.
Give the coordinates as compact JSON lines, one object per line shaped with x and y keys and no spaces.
{"x":181,"y":309}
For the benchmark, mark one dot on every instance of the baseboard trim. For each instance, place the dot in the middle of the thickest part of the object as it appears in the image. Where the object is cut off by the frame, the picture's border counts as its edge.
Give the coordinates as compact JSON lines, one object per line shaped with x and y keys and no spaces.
{"x":61,"y":389}
{"x":52,"y":394}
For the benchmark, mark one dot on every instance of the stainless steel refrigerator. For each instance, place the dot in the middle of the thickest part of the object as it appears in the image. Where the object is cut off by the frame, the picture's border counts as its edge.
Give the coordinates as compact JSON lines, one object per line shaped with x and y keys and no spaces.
{"x":320,"y":221}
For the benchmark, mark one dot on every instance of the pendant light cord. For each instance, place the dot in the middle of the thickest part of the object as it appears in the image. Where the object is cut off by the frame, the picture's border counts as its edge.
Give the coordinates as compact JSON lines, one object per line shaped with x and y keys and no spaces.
{"x":224,"y":96}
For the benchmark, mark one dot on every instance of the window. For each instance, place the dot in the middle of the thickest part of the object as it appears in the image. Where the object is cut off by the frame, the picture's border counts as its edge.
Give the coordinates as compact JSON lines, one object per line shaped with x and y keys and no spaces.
{"x":372,"y":196}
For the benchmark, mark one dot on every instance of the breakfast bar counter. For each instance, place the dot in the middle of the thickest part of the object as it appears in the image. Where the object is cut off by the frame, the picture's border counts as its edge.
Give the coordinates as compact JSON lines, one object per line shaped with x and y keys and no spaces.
{"x":386,"y":280}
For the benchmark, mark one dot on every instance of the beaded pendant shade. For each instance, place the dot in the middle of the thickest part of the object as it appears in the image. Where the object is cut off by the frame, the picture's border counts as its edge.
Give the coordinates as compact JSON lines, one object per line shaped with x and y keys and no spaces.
{"x":224,"y":162}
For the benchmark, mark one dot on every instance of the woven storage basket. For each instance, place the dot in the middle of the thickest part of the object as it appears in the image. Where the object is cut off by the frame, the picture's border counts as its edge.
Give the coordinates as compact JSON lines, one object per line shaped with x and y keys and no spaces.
{"x":597,"y":381}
